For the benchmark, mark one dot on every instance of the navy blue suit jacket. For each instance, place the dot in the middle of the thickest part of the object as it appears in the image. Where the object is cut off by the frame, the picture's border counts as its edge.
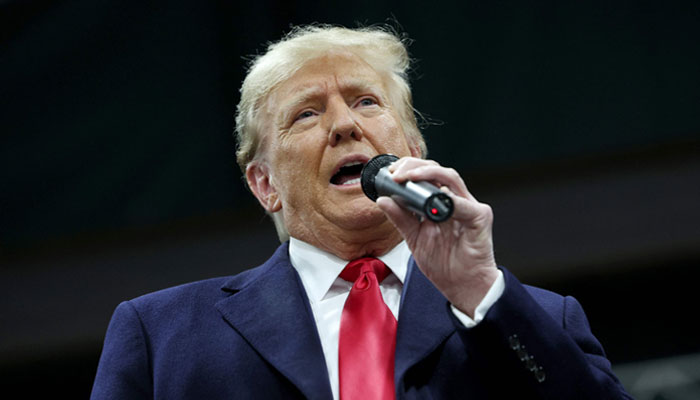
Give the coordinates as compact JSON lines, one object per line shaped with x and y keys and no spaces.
{"x":253,"y":336}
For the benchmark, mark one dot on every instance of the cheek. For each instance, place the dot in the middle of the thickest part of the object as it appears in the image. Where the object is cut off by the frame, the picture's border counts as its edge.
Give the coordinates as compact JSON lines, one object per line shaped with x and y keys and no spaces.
{"x":289,"y":187}
{"x":392,"y":136}
{"x":305,"y":145}
{"x":296,"y":162}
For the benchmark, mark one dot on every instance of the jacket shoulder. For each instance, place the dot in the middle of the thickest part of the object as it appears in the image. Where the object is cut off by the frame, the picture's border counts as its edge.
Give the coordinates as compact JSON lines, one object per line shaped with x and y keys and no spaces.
{"x":204,"y":293}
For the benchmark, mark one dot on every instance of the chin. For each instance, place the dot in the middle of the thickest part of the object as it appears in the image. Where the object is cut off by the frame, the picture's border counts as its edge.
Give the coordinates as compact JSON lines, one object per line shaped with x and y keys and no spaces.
{"x":364,"y":215}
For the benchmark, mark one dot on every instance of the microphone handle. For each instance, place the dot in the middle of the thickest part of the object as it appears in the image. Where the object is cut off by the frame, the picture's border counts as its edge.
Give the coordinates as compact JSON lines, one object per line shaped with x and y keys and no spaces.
{"x":422,"y":198}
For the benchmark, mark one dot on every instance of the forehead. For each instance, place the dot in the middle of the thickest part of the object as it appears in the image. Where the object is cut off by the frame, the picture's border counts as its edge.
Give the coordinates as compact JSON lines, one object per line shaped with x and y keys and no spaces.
{"x":342,"y":70}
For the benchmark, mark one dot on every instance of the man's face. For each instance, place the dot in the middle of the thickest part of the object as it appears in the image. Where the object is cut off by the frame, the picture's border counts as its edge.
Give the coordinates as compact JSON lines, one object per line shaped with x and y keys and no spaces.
{"x":321,"y":126}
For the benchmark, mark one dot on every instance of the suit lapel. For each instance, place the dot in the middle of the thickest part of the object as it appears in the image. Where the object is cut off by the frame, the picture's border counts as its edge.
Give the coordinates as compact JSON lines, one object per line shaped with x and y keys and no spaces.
{"x":271,"y":311}
{"x":424,"y":322}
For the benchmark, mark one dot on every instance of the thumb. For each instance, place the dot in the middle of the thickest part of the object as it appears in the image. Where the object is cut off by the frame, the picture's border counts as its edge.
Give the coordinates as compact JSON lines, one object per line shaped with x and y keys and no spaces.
{"x":404,"y":220}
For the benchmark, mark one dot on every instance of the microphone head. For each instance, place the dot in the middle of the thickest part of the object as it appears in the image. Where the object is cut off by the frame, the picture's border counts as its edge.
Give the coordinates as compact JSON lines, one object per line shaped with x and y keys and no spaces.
{"x":370,"y":171}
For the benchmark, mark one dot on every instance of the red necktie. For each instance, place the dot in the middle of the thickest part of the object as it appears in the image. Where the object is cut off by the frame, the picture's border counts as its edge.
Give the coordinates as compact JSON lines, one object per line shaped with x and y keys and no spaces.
{"x":367,"y":335}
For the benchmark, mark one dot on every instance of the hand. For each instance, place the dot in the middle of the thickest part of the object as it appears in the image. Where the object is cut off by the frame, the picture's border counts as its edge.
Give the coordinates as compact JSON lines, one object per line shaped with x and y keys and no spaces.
{"x":457,"y":254}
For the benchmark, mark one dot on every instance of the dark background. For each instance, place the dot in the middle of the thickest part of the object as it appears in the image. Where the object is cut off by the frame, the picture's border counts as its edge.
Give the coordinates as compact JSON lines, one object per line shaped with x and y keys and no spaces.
{"x":577,"y":121}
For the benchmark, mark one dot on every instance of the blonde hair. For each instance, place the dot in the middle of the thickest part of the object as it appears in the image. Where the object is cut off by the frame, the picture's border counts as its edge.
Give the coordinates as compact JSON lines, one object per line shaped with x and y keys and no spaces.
{"x":380,"y":47}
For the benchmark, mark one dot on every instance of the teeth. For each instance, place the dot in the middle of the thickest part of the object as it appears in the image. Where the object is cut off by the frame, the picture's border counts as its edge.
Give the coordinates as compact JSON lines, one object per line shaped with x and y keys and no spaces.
{"x":352,"y":181}
{"x":350,"y":164}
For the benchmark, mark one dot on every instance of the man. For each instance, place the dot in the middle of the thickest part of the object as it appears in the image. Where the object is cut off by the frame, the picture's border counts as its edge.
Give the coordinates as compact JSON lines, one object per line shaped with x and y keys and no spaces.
{"x":448,"y":322}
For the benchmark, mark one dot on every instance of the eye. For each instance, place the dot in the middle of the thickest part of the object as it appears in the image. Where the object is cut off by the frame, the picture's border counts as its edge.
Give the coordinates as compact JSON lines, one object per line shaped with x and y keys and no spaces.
{"x":366,"y":102}
{"x":305,"y":114}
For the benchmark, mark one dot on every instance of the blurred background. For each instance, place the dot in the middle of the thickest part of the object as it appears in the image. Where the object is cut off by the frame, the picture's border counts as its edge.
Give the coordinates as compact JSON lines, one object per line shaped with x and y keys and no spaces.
{"x":579,"y":122}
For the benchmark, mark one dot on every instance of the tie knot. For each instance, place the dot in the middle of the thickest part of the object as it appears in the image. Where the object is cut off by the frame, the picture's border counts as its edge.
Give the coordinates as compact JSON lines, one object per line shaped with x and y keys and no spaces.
{"x":361,"y":266}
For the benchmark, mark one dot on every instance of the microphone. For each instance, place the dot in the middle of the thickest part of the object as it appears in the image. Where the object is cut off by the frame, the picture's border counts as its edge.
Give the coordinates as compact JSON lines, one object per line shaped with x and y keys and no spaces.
{"x":422,"y":198}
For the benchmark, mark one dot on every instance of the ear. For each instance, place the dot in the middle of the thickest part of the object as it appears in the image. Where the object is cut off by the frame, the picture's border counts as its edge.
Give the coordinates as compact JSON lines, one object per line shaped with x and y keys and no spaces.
{"x":415,"y":149}
{"x":260,"y":184}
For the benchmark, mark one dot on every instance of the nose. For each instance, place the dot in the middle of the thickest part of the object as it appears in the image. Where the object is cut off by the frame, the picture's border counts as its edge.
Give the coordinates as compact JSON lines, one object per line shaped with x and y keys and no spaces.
{"x":343,"y":126}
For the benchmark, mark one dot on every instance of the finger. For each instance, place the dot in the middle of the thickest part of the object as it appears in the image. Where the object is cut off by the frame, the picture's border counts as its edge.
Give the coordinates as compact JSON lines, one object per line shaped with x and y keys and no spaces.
{"x":435,"y":173}
{"x":408,"y":163}
{"x":471,"y":212}
{"x":404,"y":220}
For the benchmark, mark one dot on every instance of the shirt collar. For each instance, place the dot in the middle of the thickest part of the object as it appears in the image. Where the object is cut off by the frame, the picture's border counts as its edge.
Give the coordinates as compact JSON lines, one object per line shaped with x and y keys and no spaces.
{"x":318,"y":269}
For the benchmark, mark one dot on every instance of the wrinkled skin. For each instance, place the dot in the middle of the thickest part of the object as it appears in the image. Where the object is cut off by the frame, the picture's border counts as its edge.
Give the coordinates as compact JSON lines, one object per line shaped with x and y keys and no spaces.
{"x":336,"y":110}
{"x":457,"y":254}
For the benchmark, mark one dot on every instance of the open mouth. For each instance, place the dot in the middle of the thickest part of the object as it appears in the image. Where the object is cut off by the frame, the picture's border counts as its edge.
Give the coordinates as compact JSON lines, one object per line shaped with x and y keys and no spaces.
{"x":348,"y":174}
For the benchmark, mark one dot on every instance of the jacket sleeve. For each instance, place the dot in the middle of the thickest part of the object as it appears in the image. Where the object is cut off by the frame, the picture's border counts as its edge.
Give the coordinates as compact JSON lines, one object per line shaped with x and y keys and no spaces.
{"x":536,"y":344}
{"x":124,"y":370}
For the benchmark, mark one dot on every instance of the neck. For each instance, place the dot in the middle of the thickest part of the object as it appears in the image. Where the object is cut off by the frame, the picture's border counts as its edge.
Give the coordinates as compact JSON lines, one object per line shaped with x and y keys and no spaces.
{"x":352,"y":244}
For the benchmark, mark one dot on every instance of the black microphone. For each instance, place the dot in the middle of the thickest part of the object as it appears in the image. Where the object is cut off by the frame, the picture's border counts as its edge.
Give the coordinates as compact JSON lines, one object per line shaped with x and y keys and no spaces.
{"x":422,"y":198}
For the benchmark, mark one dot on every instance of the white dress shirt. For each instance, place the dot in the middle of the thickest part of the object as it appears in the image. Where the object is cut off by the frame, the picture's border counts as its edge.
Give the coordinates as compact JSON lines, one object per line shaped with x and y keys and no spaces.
{"x":319,"y":272}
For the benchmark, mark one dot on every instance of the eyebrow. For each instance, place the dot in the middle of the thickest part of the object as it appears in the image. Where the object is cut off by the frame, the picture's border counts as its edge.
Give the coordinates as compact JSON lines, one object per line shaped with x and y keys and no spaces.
{"x":360,"y":85}
{"x":304,"y":95}
{"x":301,"y":96}
{"x":314,"y":91}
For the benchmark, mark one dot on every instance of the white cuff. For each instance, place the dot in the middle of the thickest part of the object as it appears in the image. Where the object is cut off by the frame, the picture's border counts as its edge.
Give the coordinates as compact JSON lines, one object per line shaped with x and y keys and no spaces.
{"x":494,"y":293}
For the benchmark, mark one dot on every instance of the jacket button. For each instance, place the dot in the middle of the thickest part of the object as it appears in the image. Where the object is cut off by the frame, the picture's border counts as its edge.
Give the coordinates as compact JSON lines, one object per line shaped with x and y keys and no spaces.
{"x":540,"y":375}
{"x":522,"y":353}
{"x":530,"y":363}
{"x":514,"y":342}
